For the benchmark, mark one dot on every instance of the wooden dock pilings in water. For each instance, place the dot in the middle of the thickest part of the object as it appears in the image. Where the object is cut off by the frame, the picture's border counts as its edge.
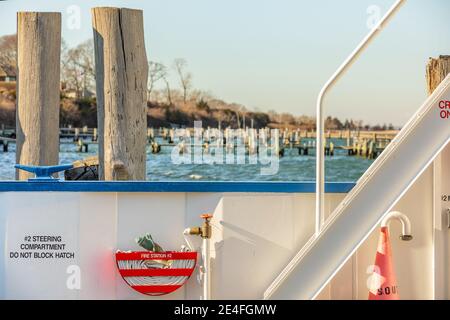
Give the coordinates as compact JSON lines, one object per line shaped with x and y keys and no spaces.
{"x":37,"y":117}
{"x":357,"y":144}
{"x":252,"y":140}
{"x":366,"y":148}
{"x":121,"y":78}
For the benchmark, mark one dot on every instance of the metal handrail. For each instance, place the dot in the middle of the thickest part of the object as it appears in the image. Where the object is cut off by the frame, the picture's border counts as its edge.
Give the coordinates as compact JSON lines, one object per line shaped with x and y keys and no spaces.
{"x":404,"y":220}
{"x":320,"y":147}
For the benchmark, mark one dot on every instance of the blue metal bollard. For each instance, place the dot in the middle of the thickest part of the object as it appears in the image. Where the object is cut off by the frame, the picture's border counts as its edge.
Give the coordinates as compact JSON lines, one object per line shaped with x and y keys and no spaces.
{"x":44,"y":173}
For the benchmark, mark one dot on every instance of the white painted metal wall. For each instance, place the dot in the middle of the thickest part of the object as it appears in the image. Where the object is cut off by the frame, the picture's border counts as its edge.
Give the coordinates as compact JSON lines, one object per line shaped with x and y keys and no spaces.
{"x":422,"y":265}
{"x":254,"y":236}
{"x":413,"y":260}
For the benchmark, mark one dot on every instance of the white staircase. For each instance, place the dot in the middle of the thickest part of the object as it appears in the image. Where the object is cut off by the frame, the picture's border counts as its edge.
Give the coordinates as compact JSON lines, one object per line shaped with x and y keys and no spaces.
{"x":378,"y":190}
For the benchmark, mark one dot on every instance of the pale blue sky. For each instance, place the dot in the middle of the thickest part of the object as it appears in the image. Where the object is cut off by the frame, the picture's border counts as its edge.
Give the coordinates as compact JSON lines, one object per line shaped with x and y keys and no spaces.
{"x":269,"y":54}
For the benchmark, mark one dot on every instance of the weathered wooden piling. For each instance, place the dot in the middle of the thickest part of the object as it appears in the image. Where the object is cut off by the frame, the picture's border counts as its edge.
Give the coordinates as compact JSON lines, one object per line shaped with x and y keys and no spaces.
{"x":436,"y":71}
{"x":121,"y":78}
{"x":38,"y":64}
{"x":76,"y":136}
{"x":5,"y":145}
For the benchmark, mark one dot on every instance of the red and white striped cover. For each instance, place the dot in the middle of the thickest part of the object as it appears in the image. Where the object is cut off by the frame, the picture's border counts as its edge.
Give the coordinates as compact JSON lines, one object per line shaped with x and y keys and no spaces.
{"x":155,"y":281}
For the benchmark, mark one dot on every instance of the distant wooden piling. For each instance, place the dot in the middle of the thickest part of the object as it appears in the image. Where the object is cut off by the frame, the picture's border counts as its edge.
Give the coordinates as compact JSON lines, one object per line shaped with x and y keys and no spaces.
{"x":436,"y":71}
{"x":38,"y":64}
{"x":121,"y":77}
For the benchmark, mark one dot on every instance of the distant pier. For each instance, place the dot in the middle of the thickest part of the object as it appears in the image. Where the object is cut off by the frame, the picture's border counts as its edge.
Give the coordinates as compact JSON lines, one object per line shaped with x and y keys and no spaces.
{"x":366,"y":144}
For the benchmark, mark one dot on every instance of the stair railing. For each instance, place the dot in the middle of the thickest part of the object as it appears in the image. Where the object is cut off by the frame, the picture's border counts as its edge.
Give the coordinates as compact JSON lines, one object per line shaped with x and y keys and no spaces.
{"x":320,"y":125}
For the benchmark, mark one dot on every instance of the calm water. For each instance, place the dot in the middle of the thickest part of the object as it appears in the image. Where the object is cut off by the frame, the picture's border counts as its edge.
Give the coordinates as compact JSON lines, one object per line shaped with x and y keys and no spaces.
{"x":292,"y":167}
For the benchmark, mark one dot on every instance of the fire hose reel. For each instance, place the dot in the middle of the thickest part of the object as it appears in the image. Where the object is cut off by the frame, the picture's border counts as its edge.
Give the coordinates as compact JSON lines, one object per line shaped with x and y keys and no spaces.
{"x":157,"y":272}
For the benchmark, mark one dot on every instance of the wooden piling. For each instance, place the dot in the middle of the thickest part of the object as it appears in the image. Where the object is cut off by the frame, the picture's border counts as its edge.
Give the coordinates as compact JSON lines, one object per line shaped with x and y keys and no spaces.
{"x":121,"y":77}
{"x":38,"y":64}
{"x":275,"y":134}
{"x":436,"y":71}
{"x":76,"y":136}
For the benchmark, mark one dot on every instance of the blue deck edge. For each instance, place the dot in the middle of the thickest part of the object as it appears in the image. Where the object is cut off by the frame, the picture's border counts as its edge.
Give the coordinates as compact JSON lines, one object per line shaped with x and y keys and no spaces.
{"x":160,"y":186}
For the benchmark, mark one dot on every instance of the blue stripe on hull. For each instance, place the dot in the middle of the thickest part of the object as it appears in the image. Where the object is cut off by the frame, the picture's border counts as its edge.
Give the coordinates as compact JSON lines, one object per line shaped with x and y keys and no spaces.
{"x":149,"y":186}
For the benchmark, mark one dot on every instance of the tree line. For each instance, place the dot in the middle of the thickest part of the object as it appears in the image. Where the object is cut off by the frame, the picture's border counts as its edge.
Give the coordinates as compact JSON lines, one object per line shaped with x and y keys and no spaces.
{"x":172,"y":97}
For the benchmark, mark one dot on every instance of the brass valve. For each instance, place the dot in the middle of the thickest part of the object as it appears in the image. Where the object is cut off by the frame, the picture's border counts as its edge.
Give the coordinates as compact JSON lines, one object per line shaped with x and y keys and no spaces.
{"x":205,"y":230}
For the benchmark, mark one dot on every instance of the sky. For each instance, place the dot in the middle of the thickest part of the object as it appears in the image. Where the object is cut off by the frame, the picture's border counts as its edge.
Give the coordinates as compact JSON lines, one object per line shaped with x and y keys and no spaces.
{"x":277,"y":54}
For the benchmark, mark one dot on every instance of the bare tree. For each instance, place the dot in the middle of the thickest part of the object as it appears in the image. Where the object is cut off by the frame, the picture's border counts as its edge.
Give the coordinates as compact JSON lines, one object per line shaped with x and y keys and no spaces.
{"x":359,"y":124}
{"x":185,"y":77}
{"x":156,"y":72}
{"x":287,"y":118}
{"x":273,"y":116}
{"x":78,"y":68}
{"x":198,"y":95}
{"x":238,"y":109}
{"x":8,"y":46}
{"x":306,"y":122}
{"x":64,"y":64}
{"x":168,"y":90}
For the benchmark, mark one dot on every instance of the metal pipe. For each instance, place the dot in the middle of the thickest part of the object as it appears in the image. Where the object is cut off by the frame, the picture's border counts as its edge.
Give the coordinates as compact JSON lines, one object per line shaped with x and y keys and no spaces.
{"x":204,"y":231}
{"x":206,"y":269}
{"x":406,"y":224}
{"x":320,"y":148}
{"x":186,"y":233}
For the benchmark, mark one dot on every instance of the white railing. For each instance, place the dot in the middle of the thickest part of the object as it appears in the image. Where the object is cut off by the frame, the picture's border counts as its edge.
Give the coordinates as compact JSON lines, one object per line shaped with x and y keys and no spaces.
{"x":387,"y":180}
{"x":320,"y":146}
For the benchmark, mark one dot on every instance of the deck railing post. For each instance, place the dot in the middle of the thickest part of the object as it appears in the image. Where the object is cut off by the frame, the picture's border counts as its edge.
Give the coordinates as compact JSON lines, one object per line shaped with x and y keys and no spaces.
{"x":37,"y":116}
{"x":121,"y":78}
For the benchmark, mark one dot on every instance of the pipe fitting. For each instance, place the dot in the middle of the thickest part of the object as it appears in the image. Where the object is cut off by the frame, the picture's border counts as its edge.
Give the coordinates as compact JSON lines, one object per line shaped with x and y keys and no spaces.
{"x":406,"y":224}
{"x":196,"y":231}
{"x":204,"y":231}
